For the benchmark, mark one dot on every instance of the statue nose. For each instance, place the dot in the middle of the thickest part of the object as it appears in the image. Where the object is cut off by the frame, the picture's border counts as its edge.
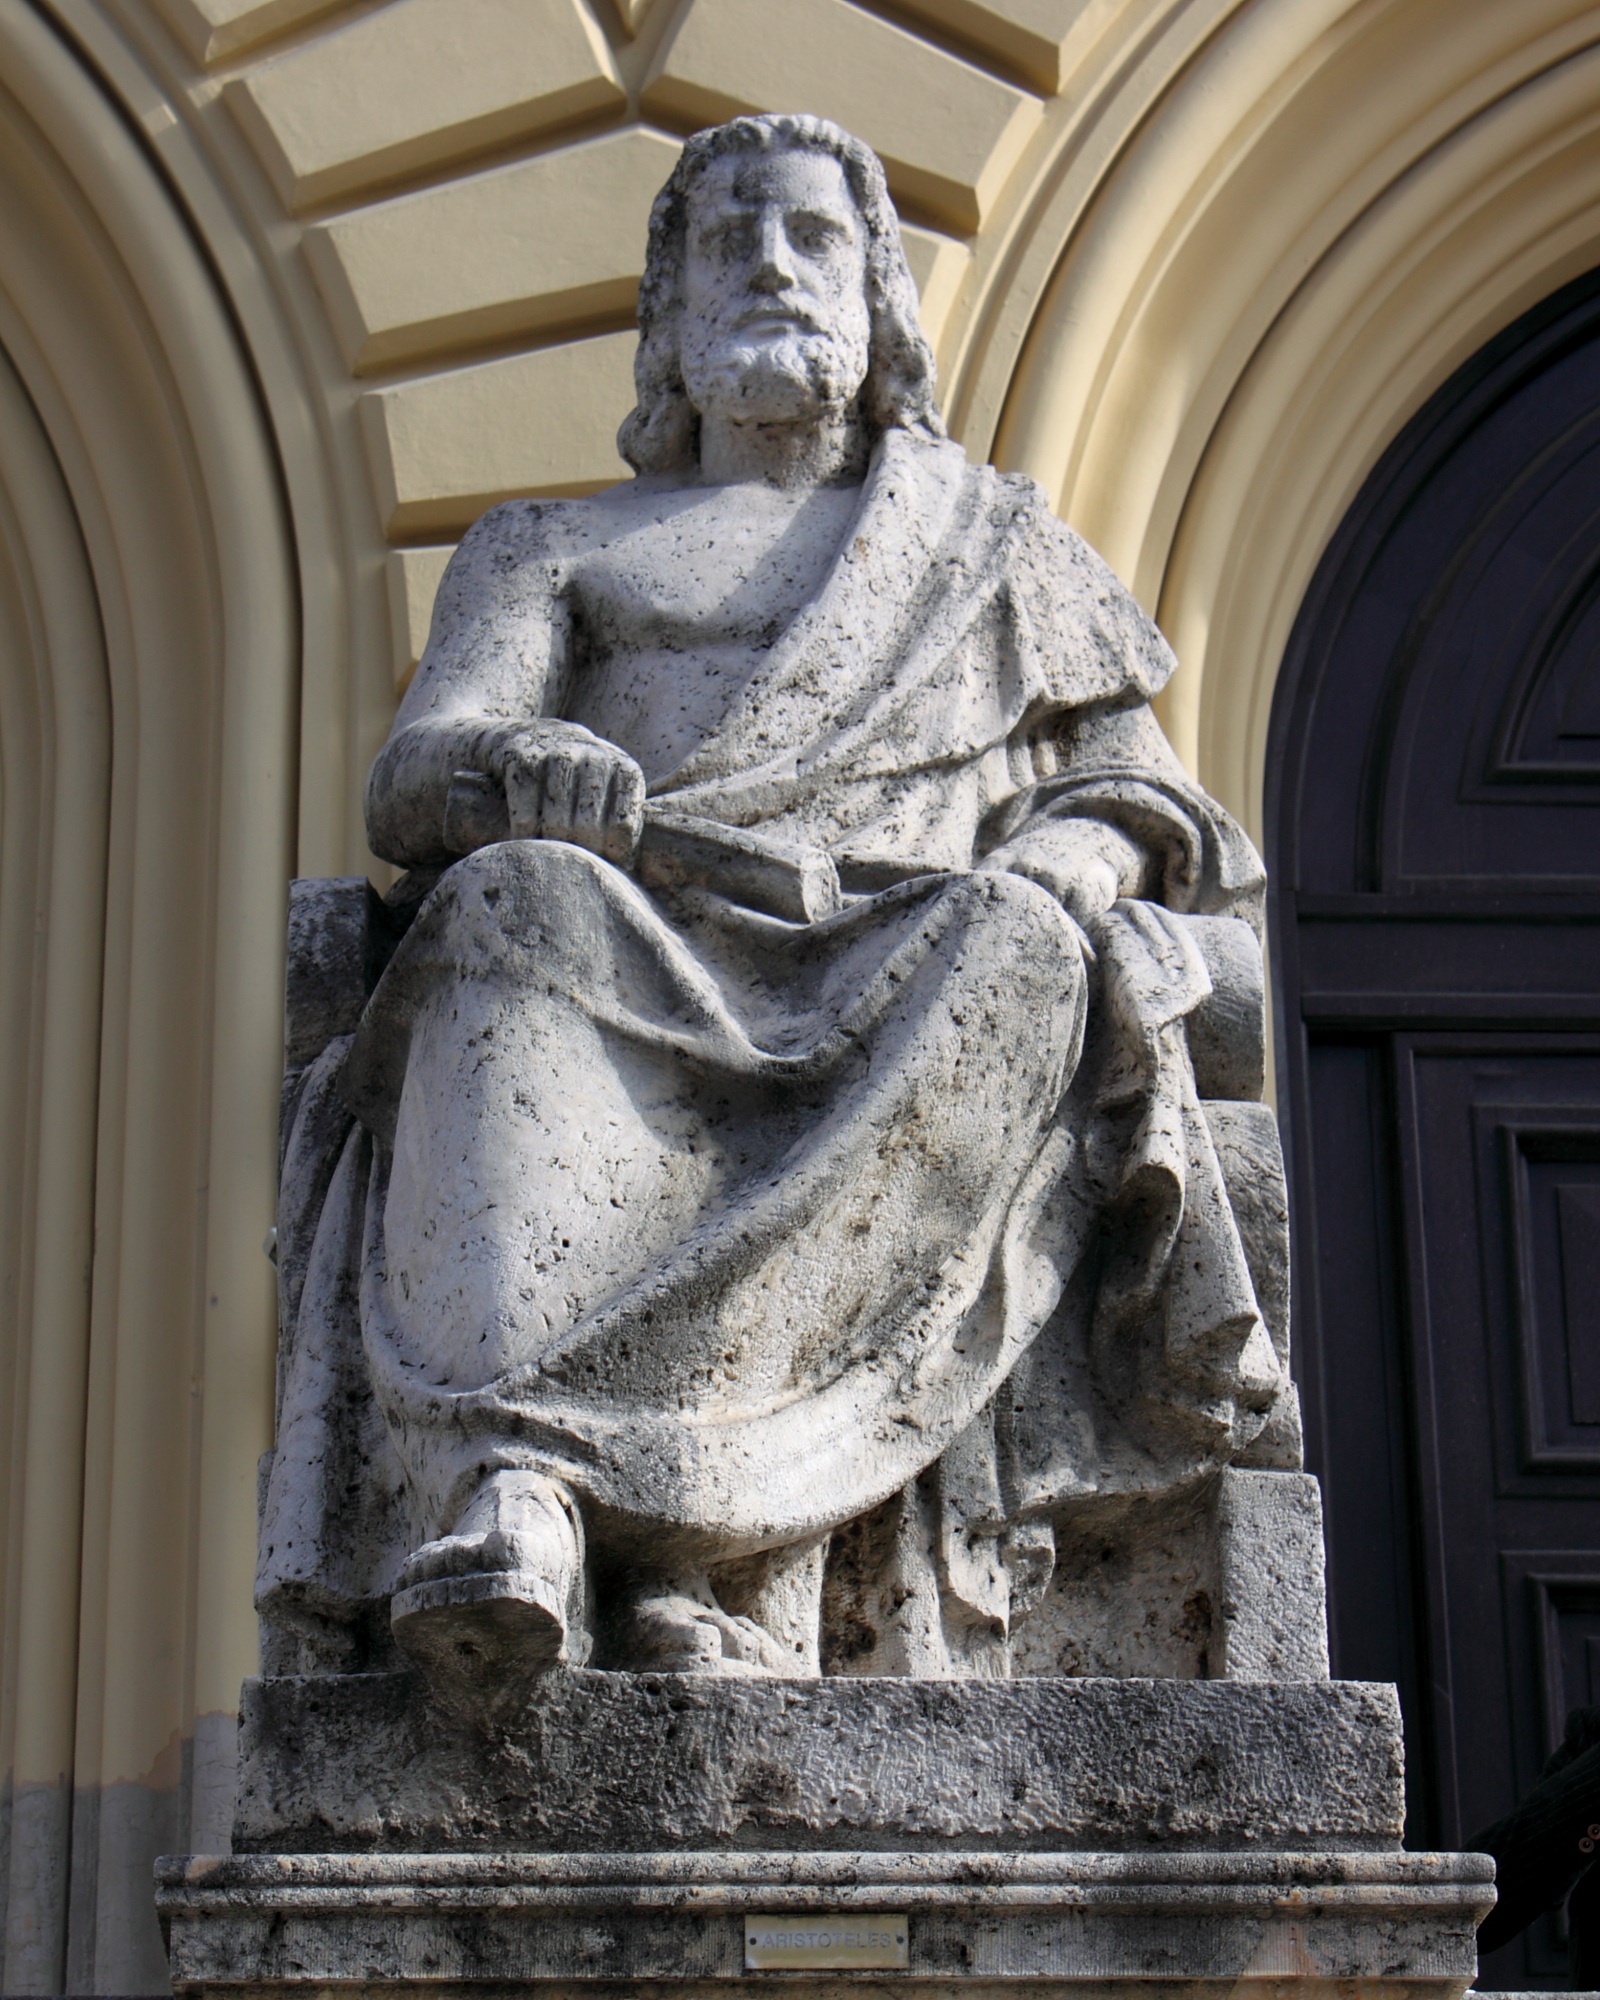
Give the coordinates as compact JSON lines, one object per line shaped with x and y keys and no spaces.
{"x":774,"y":265}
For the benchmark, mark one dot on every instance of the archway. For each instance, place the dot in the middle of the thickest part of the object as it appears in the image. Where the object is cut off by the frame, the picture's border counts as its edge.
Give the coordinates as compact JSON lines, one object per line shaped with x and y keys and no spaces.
{"x":148,"y":674}
{"x":1327,"y":209}
{"x":1433,"y":802}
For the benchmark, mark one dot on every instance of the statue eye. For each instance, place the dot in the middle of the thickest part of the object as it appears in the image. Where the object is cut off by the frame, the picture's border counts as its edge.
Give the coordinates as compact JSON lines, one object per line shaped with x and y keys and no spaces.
{"x":727,"y":238}
{"x":814,"y":234}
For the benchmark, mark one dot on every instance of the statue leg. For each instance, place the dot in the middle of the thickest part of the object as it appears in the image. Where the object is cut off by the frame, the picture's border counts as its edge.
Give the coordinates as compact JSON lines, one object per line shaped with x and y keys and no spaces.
{"x":709,"y":1274}
{"x":501,"y":1599}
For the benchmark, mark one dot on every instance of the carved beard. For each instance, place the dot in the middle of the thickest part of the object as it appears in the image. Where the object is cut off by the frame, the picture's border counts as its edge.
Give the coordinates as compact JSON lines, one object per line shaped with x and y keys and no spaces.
{"x":775,"y":378}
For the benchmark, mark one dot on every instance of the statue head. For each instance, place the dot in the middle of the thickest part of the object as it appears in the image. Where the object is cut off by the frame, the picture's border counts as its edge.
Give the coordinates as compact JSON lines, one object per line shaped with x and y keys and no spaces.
{"x":775,"y":288}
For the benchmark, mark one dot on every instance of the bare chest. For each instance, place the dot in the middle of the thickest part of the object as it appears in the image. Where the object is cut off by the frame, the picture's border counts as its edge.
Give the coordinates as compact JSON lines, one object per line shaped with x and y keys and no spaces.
{"x":675,"y":614}
{"x":721,"y":565}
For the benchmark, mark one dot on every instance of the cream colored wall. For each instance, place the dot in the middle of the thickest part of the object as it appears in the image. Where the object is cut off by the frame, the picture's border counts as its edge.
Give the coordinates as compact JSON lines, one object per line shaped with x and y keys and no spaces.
{"x":147,"y":680}
{"x":290,"y":290}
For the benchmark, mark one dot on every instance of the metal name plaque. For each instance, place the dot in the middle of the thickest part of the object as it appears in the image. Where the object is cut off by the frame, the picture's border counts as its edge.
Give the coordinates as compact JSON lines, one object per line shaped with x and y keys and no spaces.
{"x":825,"y":1944}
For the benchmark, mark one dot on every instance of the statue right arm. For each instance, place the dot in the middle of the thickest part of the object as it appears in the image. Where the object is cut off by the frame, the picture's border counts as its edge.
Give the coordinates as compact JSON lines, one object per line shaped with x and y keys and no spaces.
{"x":484,"y":701}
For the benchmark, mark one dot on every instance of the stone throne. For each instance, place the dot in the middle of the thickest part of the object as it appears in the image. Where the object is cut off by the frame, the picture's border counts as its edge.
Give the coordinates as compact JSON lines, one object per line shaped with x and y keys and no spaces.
{"x":786,"y":1467}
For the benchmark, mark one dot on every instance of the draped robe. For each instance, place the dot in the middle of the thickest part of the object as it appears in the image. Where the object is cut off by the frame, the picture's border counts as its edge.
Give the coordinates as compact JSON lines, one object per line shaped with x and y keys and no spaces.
{"x":736,"y":1224}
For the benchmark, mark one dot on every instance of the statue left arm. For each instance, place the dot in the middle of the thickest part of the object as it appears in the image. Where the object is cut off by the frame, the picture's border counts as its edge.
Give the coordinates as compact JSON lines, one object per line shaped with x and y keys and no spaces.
{"x":1103,"y":808}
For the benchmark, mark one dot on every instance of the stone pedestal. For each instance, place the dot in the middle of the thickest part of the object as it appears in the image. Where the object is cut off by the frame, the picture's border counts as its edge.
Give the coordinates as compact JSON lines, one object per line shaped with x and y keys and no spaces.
{"x":631,"y":1833}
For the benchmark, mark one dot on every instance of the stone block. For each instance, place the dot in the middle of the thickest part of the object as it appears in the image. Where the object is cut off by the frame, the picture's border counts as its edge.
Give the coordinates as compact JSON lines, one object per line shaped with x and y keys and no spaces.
{"x":1191,"y":1586}
{"x":1271,"y":1617}
{"x":328,"y":971}
{"x":599,"y":1762}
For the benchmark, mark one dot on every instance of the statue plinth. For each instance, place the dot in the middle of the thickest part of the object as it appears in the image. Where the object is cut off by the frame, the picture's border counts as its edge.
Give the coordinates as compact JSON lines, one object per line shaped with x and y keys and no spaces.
{"x":639,"y":1763}
{"x":622,"y":1831}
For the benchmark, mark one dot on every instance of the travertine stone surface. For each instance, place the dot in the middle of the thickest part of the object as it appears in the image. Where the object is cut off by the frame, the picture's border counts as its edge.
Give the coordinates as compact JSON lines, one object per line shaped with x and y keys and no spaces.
{"x":1225,"y":1583}
{"x":795,"y":1177}
{"x":1143,"y":1927}
{"x":639,"y":1762}
{"x":1271,"y":1622}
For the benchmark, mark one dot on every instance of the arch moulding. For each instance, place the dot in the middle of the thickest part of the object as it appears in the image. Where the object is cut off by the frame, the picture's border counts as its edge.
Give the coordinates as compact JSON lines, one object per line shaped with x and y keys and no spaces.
{"x":1330,"y":207}
{"x":149,"y":664}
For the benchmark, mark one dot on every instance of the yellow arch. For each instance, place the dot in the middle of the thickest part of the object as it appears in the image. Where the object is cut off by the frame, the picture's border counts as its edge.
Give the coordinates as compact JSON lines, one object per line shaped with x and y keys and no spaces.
{"x":147,"y":696}
{"x":1330,"y":208}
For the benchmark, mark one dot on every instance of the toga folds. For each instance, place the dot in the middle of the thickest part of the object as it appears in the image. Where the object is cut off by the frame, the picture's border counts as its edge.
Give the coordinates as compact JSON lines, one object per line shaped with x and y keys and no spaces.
{"x":740,"y":1225}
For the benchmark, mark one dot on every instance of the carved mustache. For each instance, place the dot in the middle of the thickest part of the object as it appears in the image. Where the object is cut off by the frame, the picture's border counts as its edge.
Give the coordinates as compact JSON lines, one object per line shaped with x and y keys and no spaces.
{"x":786,"y":315}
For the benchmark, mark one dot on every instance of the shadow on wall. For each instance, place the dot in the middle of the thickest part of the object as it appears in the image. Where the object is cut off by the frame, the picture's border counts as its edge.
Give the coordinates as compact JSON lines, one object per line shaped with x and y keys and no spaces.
{"x":76,"y":1867}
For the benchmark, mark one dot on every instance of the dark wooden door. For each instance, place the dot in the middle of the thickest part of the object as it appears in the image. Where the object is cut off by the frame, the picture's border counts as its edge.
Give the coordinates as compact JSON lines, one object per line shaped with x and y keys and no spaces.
{"x":1434,"y":821}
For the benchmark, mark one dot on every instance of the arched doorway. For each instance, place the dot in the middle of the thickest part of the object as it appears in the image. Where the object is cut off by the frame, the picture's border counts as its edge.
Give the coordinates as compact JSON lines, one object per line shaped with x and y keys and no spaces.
{"x":148,"y":674}
{"x":1433,"y":811}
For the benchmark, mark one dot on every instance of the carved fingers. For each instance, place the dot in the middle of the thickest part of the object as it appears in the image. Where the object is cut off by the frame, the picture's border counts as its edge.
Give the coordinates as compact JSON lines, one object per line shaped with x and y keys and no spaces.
{"x":1085,"y":864}
{"x":565,"y":784}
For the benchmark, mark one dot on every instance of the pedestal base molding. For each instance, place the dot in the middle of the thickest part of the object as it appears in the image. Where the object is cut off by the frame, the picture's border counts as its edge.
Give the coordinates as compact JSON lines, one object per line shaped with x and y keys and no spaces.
{"x":260,"y":1927}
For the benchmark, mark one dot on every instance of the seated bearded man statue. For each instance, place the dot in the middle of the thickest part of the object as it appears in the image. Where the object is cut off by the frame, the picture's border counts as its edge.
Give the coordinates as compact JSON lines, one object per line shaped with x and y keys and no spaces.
{"x":767,"y":1190}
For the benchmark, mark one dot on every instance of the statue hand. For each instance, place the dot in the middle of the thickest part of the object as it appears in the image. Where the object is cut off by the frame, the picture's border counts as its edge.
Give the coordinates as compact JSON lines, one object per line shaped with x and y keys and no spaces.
{"x":562,"y":783}
{"x":1084,"y":863}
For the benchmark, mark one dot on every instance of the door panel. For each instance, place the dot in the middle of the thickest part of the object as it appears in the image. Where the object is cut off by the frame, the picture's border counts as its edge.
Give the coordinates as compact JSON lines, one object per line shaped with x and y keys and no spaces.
{"x":1353,"y":1376}
{"x":1497,"y":1125}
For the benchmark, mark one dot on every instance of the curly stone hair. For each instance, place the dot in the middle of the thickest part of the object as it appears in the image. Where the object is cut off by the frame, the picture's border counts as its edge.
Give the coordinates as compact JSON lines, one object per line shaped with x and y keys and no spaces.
{"x":661,"y":434}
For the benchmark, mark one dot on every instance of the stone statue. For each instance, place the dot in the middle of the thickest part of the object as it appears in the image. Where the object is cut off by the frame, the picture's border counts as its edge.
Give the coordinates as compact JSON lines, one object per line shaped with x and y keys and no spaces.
{"x":799,"y":1166}
{"x":785,"y":1457}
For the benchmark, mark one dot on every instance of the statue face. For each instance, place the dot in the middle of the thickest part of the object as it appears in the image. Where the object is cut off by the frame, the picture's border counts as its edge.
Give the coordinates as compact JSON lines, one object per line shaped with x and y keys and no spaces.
{"x":776,"y":325}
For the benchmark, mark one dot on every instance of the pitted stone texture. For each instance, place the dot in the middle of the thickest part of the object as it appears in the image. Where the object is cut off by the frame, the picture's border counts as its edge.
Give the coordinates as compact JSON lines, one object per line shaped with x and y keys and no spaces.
{"x":1271,"y":1623}
{"x":1137,"y":1926}
{"x":641,"y":1762}
{"x":1225,"y":1583}
{"x":328,"y":973}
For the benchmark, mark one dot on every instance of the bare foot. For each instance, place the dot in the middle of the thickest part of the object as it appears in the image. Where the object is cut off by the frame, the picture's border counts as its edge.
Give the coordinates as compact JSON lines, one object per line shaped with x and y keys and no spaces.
{"x":683,"y":1633}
